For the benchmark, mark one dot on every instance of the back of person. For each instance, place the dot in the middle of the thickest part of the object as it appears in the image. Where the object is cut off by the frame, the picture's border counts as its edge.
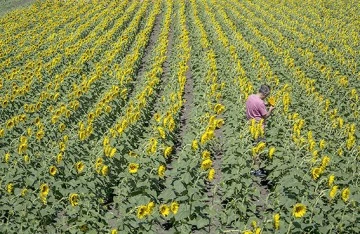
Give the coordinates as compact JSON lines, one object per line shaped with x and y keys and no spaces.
{"x":255,"y":108}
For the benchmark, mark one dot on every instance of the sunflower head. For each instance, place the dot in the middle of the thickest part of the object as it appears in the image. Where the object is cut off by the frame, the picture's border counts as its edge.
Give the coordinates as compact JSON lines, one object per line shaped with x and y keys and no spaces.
{"x":52,"y":170}
{"x":142,"y":212}
{"x":211,"y":174}
{"x":164,"y":210}
{"x":105,"y":170}
{"x":74,"y":199}
{"x":345,"y":195}
{"x":161,"y":171}
{"x":79,"y":166}
{"x":206,"y":164}
{"x":168,"y":151}
{"x":276,"y":221}
{"x":194,"y":145}
{"x":316,"y":173}
{"x":272,"y":101}
{"x":299,"y":210}
{"x":150,"y":206}
{"x":206,"y":155}
{"x":174,"y":207}
{"x":133,"y":168}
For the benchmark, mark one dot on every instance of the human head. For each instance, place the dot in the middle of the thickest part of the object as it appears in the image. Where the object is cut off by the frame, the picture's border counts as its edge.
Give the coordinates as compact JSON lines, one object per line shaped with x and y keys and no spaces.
{"x":264,"y":91}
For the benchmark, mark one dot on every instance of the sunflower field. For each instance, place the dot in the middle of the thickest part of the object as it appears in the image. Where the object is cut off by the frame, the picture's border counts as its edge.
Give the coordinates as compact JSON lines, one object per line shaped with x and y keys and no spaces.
{"x":127,"y":116}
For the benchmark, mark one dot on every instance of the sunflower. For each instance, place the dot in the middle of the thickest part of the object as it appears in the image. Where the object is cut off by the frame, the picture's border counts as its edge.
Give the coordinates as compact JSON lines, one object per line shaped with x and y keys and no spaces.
{"x":10,"y":188}
{"x":62,"y":127}
{"x":52,"y":170}
{"x":59,"y":158}
{"x":105,"y":170}
{"x":29,"y":131}
{"x":157,"y":117}
{"x":219,"y":123}
{"x":194,"y":145}
{"x":164,"y":210}
{"x":133,"y":168}
{"x":10,"y":124}
{"x":22,"y":148}
{"x":174,"y":207}
{"x":150,"y":206}
{"x":345,"y":194}
{"x":27,"y":159}
{"x":271,"y":152}
{"x":272,"y":101}
{"x":276,"y":221}
{"x":322,"y":144}
{"x":206,"y":155}
{"x":24,"y":192}
{"x":167,"y":151}
{"x":161,"y":171}
{"x":206,"y":164}
{"x":142,"y":212}
{"x":161,"y":132}
{"x":74,"y":199}
{"x":7,"y":157}
{"x":2,"y":132}
{"x":299,"y":210}
{"x":211,"y":174}
{"x":324,"y":162}
{"x":79,"y":166}
{"x":219,"y":108}
{"x":44,"y":189}
{"x":114,"y":231}
{"x":316,"y":173}
{"x":331,"y":180}
{"x":260,"y":146}
{"x":40,"y":134}
{"x":112,"y":152}
{"x":333,"y":192}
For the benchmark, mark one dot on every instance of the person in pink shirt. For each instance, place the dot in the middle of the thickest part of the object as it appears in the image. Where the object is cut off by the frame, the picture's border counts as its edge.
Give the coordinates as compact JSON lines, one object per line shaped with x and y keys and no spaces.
{"x":256,"y":107}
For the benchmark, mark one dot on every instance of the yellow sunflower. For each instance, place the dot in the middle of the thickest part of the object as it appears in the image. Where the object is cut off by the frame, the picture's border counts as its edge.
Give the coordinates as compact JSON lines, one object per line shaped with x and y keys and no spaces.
{"x":105,"y":170}
{"x":161,"y":171}
{"x":174,"y":207}
{"x":164,"y":210}
{"x":133,"y":168}
{"x":333,"y":192}
{"x":277,"y":221}
{"x":206,"y":155}
{"x":10,"y":188}
{"x":299,"y":210}
{"x":271,"y":152}
{"x":150,"y":206}
{"x":142,"y":212}
{"x":194,"y":145}
{"x":80,"y":166}
{"x":52,"y":170}
{"x":331,"y":180}
{"x":316,"y":173}
{"x":206,"y":164}
{"x":74,"y":199}
{"x":211,"y":174}
{"x":272,"y":101}
{"x":345,"y":194}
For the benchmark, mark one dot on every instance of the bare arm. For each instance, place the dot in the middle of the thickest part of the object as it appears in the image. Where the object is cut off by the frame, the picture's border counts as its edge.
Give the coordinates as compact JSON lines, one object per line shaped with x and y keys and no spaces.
{"x":269,"y":112}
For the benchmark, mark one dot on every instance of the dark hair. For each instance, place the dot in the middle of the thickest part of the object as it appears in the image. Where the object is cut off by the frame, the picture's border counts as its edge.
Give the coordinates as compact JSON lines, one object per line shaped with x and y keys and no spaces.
{"x":264,"y":89}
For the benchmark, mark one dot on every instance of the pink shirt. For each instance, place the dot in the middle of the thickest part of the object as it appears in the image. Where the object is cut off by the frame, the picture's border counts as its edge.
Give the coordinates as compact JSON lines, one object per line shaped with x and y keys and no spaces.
{"x":255,"y":108}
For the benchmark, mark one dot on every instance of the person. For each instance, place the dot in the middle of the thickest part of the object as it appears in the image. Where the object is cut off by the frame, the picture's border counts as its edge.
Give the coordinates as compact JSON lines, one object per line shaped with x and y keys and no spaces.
{"x":256,"y":109}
